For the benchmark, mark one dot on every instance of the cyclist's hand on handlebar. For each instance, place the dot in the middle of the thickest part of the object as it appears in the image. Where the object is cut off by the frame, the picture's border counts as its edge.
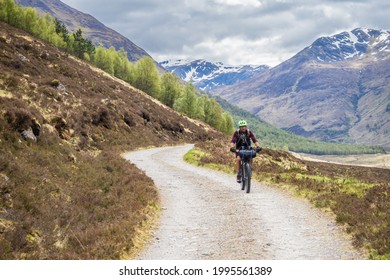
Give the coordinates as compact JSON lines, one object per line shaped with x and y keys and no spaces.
{"x":258,"y":149}
{"x":233,"y":150}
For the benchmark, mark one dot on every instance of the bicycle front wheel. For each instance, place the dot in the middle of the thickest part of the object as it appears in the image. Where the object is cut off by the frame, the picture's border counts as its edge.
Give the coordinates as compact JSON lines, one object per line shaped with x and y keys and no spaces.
{"x":248,"y":175}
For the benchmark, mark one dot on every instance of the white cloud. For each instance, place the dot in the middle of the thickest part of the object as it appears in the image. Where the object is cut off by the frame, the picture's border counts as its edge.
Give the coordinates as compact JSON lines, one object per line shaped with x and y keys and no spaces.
{"x":253,"y":3}
{"x":236,"y":51}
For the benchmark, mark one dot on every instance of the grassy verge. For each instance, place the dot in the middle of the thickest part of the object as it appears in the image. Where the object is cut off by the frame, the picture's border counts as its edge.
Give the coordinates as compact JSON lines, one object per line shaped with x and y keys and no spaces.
{"x":358,"y":196}
{"x":194,"y":156}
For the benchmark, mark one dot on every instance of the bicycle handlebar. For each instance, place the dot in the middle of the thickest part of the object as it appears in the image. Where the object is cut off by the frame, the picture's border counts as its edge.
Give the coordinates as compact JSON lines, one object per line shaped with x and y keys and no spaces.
{"x":257,"y":149}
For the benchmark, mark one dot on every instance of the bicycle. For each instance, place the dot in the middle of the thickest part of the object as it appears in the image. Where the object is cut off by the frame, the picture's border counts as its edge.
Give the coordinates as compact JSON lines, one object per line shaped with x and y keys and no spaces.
{"x":246,"y":169}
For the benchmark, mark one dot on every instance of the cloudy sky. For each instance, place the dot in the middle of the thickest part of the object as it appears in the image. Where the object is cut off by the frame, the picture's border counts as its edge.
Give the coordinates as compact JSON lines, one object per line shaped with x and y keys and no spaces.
{"x":233,"y":31}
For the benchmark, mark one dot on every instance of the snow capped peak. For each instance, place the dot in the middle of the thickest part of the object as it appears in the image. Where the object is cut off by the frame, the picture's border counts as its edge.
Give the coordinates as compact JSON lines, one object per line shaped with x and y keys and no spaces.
{"x":210,"y":75}
{"x":358,"y":43}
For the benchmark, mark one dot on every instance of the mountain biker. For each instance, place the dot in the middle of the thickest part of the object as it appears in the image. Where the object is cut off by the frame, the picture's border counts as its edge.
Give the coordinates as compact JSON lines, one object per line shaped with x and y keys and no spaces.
{"x":242,"y":139}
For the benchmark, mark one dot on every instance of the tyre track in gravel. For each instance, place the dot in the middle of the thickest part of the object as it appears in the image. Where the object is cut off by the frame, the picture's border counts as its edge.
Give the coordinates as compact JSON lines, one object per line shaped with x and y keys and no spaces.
{"x":207,"y":216}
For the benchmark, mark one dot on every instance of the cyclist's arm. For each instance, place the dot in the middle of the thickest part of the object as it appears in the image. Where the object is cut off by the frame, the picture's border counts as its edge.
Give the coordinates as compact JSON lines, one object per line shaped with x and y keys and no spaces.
{"x":253,"y":137}
{"x":233,"y":141}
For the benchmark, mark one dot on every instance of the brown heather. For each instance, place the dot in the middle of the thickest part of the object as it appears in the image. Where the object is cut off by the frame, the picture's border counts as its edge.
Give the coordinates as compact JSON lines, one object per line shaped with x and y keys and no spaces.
{"x":68,"y":194}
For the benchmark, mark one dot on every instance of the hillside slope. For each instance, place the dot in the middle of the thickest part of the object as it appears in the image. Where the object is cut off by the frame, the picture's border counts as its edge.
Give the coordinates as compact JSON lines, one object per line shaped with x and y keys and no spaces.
{"x":65,"y":193}
{"x":93,"y":29}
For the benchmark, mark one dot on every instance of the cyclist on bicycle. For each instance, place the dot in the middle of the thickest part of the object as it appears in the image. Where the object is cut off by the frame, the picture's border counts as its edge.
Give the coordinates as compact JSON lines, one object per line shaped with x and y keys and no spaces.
{"x":242,"y":140}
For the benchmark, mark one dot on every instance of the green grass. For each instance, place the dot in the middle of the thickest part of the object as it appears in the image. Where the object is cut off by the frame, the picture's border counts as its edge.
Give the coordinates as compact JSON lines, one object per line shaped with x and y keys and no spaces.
{"x":193,"y":156}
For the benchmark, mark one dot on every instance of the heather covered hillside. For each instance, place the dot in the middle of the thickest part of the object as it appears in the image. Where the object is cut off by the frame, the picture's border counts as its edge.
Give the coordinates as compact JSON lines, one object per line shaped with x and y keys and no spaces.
{"x":65,"y":193}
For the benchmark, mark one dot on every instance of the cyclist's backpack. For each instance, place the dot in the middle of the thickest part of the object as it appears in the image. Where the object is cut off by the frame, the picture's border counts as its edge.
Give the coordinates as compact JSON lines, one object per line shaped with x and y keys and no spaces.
{"x":243,"y":139}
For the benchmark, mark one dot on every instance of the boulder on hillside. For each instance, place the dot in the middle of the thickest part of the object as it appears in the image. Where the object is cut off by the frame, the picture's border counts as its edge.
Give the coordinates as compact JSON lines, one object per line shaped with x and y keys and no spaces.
{"x":28,"y":135}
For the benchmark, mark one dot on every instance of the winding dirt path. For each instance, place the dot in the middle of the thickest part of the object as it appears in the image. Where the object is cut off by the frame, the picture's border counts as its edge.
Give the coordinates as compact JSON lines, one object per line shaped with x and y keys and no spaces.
{"x":207,"y":216}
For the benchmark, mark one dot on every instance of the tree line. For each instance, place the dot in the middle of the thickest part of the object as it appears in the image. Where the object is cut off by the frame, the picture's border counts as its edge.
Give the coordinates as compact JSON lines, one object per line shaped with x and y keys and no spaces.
{"x":168,"y":88}
{"x":45,"y":27}
{"x":143,"y":74}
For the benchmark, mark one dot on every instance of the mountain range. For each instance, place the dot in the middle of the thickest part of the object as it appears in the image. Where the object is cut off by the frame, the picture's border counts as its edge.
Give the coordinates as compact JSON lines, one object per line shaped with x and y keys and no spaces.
{"x":334,"y":90}
{"x":209,"y":76}
{"x":337,"y":89}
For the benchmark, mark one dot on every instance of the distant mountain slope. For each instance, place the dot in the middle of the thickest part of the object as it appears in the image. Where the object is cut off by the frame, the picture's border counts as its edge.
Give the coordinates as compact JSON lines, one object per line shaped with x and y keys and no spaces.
{"x":209,"y":76}
{"x":276,"y":138}
{"x":92,"y":29}
{"x":337,"y":89}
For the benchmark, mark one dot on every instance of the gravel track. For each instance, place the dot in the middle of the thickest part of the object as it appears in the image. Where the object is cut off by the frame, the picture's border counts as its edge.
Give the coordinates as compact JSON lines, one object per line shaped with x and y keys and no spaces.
{"x":207,"y":216}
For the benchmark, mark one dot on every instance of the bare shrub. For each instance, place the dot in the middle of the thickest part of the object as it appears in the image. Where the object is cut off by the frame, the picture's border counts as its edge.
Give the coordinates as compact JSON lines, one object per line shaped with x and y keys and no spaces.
{"x":19,"y":119}
{"x":12,"y":81}
{"x":128,"y":119}
{"x":102,"y":118}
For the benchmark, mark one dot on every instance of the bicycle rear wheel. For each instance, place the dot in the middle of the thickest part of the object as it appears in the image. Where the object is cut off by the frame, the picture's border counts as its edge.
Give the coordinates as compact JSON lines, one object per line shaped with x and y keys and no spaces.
{"x":242,"y":177}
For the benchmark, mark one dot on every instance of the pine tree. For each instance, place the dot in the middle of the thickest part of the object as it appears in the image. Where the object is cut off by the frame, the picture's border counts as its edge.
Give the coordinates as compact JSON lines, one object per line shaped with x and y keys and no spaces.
{"x":89,"y":49}
{"x":62,"y":30}
{"x":82,"y":46}
{"x":78,"y":46}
